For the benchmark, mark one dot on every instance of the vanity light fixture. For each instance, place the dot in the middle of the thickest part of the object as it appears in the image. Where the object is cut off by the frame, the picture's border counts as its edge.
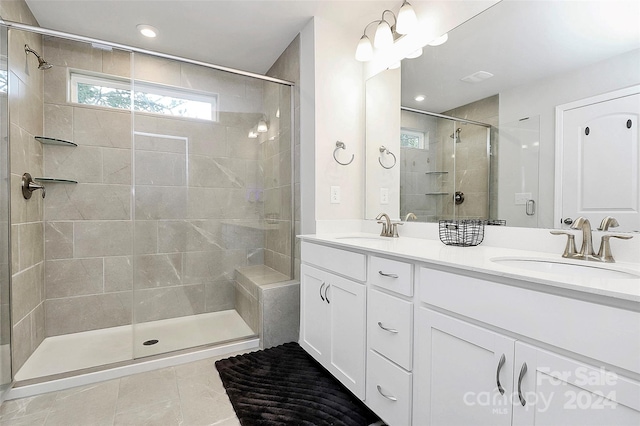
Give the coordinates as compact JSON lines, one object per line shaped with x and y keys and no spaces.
{"x":386,"y":33}
{"x":147,"y":30}
{"x":262,"y":126}
{"x":253,"y":134}
{"x":407,"y":19}
{"x":419,"y":98}
{"x":439,"y":40}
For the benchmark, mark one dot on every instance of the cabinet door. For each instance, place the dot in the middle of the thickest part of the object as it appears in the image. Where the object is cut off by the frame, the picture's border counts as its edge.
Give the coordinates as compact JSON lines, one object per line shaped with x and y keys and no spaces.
{"x":346,"y":301}
{"x":556,"y":390}
{"x":314,"y":313}
{"x":457,"y":370}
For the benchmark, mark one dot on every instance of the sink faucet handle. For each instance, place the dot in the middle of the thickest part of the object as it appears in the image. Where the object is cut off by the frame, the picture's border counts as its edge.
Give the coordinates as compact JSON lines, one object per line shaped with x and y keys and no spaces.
{"x":604,"y":254}
{"x":608,"y":222}
{"x":393,"y":232}
{"x":570,"y":247}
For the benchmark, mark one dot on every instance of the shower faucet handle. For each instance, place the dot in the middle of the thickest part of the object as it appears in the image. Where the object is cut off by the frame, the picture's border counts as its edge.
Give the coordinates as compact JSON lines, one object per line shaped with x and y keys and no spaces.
{"x":28,"y":186}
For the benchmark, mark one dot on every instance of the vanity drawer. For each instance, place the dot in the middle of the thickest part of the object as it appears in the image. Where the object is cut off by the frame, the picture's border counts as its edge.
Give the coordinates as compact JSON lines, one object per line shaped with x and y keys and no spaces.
{"x":343,"y":262}
{"x":391,"y":274}
{"x":395,"y":315}
{"x":388,"y":390}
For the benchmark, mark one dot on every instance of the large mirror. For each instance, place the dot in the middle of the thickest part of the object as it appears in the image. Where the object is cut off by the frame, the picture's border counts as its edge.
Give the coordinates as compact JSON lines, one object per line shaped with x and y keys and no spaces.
{"x":481,"y":143}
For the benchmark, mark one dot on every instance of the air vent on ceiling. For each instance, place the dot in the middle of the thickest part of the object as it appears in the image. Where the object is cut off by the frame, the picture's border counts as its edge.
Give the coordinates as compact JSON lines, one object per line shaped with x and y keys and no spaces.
{"x":477,"y":77}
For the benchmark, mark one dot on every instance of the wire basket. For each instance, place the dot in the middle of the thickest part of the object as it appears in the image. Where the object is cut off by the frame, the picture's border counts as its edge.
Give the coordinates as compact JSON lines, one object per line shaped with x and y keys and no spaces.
{"x":462,"y":233}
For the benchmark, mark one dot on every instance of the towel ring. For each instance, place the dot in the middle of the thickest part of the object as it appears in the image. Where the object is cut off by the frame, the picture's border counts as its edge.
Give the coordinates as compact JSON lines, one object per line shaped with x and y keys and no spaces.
{"x":386,"y":151}
{"x":341,"y":145}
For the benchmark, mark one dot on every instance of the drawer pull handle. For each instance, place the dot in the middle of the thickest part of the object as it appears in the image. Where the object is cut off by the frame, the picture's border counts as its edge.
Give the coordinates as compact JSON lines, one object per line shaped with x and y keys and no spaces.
{"x":321,"y":287}
{"x":390,"y":330}
{"x":522,"y":373}
{"x":389,"y":397}
{"x":325,"y":293}
{"x":388,"y":275}
{"x":503,"y":359}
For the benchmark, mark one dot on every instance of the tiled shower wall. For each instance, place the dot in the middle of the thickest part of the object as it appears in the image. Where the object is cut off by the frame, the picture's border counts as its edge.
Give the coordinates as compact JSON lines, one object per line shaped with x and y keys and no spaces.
{"x":195,"y":206}
{"x":27,"y":235}
{"x":471,"y":157}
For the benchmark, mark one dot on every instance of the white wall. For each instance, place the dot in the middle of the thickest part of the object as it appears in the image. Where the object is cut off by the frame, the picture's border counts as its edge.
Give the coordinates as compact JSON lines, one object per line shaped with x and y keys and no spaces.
{"x":541,"y":98}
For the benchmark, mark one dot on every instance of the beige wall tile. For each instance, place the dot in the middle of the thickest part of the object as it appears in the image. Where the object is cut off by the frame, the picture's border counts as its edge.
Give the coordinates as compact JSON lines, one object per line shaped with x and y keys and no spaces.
{"x":106,"y":238}
{"x":88,"y":202}
{"x":219,"y":296}
{"x":168,"y":302}
{"x":21,"y":345}
{"x":31,"y":240}
{"x":55,"y":85}
{"x":158,"y":142}
{"x":116,"y":62}
{"x":216,"y":172}
{"x":58,"y":121}
{"x":160,"y":168}
{"x":75,"y":314}
{"x":209,"y":266}
{"x":146,"y":237}
{"x":26,"y":292}
{"x":19,"y":146}
{"x":160,"y":270}
{"x":73,"y":277}
{"x":101,"y":127}
{"x":116,"y":166}
{"x":156,"y":69}
{"x":154,"y":202}
{"x":118,"y":274}
{"x":67,"y":53}
{"x":82,"y":163}
{"x":17,"y":11}
{"x":58,"y":240}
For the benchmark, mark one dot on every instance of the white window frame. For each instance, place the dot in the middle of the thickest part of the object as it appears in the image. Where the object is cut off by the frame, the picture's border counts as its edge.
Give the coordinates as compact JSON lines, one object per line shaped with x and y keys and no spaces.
{"x":422,"y":137}
{"x":78,"y":77}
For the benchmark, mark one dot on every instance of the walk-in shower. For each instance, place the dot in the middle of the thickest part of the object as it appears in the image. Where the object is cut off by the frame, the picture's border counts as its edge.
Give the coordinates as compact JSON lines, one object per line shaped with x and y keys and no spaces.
{"x":444,"y":176}
{"x":167,"y":209}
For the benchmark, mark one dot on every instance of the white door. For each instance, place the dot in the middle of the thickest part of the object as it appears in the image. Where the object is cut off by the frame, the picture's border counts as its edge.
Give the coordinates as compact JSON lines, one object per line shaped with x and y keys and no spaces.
{"x":346,"y":300}
{"x":314,"y":313}
{"x":464,"y":373}
{"x":600,"y":159}
{"x":554,"y":390}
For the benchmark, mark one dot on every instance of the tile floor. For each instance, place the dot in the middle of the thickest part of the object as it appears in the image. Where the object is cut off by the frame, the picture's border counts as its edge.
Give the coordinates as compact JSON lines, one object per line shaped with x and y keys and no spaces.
{"x":188,"y":395}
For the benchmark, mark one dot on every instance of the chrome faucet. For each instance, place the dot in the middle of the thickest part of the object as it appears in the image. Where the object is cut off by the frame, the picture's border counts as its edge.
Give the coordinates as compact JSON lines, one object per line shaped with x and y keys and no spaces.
{"x":586,"y":251}
{"x":604,"y":253}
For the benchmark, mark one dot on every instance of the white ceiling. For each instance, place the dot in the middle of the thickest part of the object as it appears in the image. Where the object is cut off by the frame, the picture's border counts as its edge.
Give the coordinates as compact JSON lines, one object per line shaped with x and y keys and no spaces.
{"x":246,"y":35}
{"x":519,"y":42}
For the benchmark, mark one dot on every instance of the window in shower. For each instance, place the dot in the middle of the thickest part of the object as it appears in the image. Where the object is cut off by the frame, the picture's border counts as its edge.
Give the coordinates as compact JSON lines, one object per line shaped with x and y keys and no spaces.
{"x":413,"y":139}
{"x":154,"y":98}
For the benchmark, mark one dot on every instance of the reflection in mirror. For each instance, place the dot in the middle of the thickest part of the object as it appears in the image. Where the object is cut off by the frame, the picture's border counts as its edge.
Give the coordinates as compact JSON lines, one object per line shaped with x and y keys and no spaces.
{"x":439,"y":156}
{"x":538,"y":56}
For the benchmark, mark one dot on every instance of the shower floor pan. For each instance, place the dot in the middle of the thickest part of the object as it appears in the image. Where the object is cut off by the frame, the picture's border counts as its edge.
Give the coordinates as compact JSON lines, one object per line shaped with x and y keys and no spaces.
{"x":77,"y":351}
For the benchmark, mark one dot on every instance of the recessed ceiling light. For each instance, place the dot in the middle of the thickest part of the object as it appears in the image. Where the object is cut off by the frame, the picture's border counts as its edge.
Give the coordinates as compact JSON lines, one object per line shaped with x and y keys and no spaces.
{"x":419,"y":98}
{"x":439,"y":40}
{"x":147,"y":30}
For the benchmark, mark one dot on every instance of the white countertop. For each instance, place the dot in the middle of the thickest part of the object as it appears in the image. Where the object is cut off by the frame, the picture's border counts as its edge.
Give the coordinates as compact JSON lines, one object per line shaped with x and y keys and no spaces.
{"x":478,"y":259}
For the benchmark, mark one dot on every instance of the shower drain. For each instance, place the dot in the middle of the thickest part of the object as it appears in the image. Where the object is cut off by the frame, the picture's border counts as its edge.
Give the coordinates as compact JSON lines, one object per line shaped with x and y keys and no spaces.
{"x":151,"y":342}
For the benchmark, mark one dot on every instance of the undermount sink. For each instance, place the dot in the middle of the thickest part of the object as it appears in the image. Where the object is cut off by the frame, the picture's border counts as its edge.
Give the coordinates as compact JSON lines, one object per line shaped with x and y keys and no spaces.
{"x":587,"y":270}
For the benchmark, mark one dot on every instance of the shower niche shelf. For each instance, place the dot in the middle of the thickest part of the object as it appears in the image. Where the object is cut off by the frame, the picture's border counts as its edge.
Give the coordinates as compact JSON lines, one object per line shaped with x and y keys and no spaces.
{"x":436,"y":173}
{"x":54,"y":180}
{"x":437,"y":193}
{"x":53,"y":141}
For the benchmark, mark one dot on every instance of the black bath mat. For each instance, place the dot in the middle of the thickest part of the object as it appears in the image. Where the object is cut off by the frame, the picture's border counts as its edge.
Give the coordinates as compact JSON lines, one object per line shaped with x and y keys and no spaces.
{"x":285,"y":386}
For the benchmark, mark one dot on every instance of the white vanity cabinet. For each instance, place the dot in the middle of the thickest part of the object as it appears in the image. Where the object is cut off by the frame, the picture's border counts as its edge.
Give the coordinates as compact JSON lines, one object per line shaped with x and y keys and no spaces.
{"x":425,"y":344}
{"x":460,"y":367}
{"x":390,"y":339}
{"x":332,"y":326}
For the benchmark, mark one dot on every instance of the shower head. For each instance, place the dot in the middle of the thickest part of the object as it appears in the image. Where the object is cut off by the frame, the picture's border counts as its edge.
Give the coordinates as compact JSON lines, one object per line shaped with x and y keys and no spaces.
{"x":42,"y":64}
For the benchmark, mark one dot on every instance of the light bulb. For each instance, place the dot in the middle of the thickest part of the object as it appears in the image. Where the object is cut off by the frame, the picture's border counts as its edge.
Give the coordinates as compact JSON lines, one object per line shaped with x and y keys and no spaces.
{"x":407,"y":19}
{"x":252,"y":134}
{"x":262,"y":126}
{"x":419,"y":98}
{"x":364,"y":51}
{"x":383,"y":37}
